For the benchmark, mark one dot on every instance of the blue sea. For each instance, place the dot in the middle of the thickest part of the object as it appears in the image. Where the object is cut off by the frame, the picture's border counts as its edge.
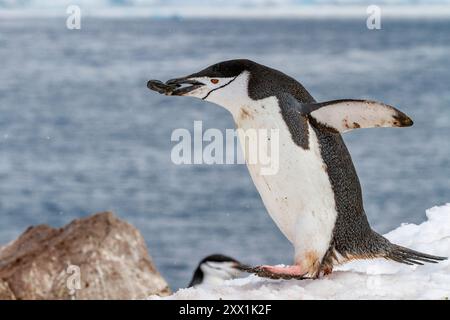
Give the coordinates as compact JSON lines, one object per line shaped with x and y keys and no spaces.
{"x":80,"y":132}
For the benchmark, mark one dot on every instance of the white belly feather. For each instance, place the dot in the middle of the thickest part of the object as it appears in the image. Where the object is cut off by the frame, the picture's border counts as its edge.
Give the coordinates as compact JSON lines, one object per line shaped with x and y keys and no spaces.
{"x":299,"y":198}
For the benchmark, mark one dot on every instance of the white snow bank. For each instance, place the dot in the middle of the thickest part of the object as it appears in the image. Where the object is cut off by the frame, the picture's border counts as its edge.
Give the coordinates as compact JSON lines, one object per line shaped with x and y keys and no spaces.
{"x":365,"y":279}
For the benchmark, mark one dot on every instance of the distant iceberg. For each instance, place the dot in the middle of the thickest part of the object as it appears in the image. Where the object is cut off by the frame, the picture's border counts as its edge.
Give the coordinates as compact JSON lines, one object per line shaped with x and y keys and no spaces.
{"x":203,"y":3}
{"x":224,"y":8}
{"x":364,"y":279}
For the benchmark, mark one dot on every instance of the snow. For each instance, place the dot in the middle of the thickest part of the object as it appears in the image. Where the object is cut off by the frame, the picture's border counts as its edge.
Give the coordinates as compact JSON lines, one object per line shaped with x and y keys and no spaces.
{"x":364,"y":279}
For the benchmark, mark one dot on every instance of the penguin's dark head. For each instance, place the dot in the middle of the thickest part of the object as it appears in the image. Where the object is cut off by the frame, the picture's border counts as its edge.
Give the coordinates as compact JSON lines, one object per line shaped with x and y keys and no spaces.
{"x":215,"y":269}
{"x":218,"y":83}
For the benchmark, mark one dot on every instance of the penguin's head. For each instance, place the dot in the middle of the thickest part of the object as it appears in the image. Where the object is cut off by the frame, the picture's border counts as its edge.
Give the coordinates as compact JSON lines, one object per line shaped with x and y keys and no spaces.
{"x":215,"y":269}
{"x":222,"y":83}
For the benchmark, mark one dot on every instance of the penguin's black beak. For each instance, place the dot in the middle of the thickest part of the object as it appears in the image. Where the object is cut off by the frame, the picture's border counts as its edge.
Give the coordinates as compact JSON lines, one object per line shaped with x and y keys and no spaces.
{"x":174,"y":87}
{"x":241,"y":267}
{"x":183,"y":85}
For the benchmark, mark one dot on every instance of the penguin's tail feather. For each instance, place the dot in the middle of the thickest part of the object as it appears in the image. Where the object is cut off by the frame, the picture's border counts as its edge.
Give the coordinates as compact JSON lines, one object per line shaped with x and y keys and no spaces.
{"x":407,"y":256}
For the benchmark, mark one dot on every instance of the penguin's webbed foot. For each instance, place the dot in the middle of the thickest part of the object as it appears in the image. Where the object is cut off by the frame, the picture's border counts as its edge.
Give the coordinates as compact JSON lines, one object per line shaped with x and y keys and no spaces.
{"x":278,"y":272}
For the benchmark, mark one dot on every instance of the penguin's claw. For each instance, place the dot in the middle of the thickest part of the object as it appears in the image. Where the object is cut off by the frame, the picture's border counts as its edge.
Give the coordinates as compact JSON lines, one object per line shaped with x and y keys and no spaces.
{"x":274,"y":272}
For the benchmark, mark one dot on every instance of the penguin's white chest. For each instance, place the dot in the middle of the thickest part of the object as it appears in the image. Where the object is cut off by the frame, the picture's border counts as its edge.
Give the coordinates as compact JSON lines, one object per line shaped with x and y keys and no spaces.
{"x":299,"y":196}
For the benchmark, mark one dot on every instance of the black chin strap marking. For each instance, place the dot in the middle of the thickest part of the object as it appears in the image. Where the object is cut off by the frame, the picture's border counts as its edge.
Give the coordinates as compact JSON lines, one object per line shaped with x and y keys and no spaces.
{"x":219,"y":88}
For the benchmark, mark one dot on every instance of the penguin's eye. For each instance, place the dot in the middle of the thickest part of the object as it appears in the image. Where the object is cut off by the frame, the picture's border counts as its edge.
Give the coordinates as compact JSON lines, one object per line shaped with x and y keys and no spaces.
{"x":215,"y":81}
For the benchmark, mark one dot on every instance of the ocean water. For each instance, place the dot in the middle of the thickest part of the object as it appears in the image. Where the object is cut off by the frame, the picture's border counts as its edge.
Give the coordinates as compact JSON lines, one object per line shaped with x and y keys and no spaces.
{"x":80,"y":132}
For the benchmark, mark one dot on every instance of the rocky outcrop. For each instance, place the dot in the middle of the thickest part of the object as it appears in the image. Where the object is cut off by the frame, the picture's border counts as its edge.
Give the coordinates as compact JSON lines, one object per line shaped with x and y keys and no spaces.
{"x":5,"y":292}
{"x":98,"y":257}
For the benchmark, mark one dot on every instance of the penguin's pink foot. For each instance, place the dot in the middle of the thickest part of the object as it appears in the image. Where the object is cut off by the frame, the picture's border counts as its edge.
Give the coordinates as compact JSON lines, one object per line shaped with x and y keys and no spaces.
{"x":275,"y":272}
{"x":287,"y":270}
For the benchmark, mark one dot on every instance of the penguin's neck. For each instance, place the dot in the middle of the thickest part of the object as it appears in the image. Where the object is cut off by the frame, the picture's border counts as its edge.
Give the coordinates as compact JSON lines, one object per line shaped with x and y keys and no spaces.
{"x":234,"y":95}
{"x":246,"y":112}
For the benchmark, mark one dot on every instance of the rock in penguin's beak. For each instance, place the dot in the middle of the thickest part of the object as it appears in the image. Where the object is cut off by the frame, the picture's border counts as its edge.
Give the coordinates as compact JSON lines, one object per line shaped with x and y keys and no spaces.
{"x":174,"y":87}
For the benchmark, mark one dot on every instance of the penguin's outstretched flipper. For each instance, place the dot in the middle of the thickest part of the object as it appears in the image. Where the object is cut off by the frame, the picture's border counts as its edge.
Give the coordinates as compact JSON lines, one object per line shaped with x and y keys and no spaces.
{"x":348,"y":114}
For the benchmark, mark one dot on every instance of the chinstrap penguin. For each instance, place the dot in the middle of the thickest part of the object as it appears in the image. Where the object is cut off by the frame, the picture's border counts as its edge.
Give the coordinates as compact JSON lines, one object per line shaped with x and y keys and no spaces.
{"x":315,"y":198}
{"x":215,"y":269}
